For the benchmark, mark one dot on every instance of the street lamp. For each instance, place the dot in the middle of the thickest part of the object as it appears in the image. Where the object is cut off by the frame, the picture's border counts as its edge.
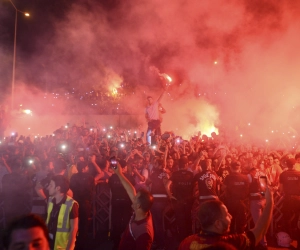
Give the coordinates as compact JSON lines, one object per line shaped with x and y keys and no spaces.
{"x":14,"y":57}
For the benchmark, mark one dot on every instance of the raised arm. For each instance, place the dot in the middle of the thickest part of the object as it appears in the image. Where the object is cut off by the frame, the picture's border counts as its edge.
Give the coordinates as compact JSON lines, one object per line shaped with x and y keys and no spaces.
{"x":126,"y":183}
{"x":264,"y":220}
{"x":161,"y":96}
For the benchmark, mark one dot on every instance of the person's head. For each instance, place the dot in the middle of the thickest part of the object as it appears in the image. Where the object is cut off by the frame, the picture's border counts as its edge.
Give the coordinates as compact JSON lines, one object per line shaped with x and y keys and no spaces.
{"x":214,"y":217}
{"x":123,"y":165}
{"x":139,"y":163}
{"x":59,"y":166}
{"x":103,"y":164}
{"x":270,"y":160}
{"x":58,"y":185}
{"x":26,"y":232}
{"x":261,"y":164}
{"x":82,"y":167}
{"x":235,"y":166}
{"x":147,"y":157}
{"x":290,"y":163}
{"x":150,"y":100}
{"x":142,"y":202}
{"x":253,"y":171}
{"x":228,"y":160}
{"x":297,"y":158}
{"x":183,"y":162}
{"x":170,"y":163}
{"x":159,"y":164}
{"x":276,"y":161}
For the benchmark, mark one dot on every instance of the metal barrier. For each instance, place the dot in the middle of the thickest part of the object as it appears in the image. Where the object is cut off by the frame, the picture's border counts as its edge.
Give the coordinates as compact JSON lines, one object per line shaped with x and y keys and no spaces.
{"x":101,"y":208}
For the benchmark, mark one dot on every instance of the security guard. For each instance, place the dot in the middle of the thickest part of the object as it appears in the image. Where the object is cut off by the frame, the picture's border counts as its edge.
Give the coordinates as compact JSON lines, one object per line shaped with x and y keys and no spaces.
{"x":208,"y":185}
{"x":158,"y":180}
{"x":236,"y":187}
{"x":62,"y":215}
{"x":289,"y":185}
{"x":182,"y":198}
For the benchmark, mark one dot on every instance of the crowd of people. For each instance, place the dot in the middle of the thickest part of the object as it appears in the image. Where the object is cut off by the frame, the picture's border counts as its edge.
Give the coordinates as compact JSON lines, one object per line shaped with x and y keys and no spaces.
{"x":209,"y":183}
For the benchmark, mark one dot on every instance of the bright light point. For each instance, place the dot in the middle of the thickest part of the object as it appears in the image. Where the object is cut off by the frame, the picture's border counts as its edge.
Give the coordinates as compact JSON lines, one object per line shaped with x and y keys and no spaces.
{"x":267,"y":140}
{"x":241,"y":135}
{"x":111,"y":127}
{"x":108,"y":136}
{"x":122,"y":145}
{"x":169,"y":78}
{"x":63,"y":146}
{"x":27,"y":111}
{"x":294,"y":136}
{"x":215,"y":62}
{"x":21,"y":105}
{"x":30,"y":161}
{"x":26,"y":14}
{"x":35,"y":136}
{"x":104,"y":129}
{"x":12,"y":134}
{"x":272,"y":131}
{"x":28,"y":128}
{"x":135,"y":132}
{"x":66,"y":126}
{"x":249,"y":124}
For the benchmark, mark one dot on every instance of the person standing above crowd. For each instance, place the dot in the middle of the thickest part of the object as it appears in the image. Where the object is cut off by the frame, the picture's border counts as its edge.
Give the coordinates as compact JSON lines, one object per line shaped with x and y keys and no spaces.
{"x":290,"y":187}
{"x":153,"y":115}
{"x":215,"y":223}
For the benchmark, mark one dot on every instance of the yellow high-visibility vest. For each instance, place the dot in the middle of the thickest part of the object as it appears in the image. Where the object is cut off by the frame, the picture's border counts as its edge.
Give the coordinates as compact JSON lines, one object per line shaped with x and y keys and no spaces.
{"x":63,"y":223}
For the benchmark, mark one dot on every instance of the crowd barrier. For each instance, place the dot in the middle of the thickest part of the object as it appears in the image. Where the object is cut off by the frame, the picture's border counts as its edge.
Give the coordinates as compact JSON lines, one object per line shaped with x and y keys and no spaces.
{"x":101,"y":213}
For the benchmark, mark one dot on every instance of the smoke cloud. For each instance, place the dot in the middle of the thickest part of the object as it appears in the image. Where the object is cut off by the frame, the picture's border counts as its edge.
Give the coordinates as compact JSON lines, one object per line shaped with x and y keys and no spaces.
{"x":234,"y":64}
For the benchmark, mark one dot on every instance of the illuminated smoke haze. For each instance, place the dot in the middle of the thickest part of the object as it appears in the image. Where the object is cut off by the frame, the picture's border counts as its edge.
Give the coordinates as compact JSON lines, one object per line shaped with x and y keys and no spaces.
{"x":234,"y":64}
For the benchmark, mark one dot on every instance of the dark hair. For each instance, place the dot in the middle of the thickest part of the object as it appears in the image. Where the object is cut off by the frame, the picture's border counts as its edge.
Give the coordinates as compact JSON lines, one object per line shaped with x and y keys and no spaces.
{"x":290,"y":162}
{"x":62,"y":182}
{"x":81,"y":165}
{"x":59,"y":165}
{"x":24,"y":222}
{"x":102,"y":163}
{"x":145,"y":200}
{"x":209,"y":212}
{"x":203,"y":165}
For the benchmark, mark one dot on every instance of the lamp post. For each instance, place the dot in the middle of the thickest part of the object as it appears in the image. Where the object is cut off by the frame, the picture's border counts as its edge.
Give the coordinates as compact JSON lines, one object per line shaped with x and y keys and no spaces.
{"x":14,"y":56}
